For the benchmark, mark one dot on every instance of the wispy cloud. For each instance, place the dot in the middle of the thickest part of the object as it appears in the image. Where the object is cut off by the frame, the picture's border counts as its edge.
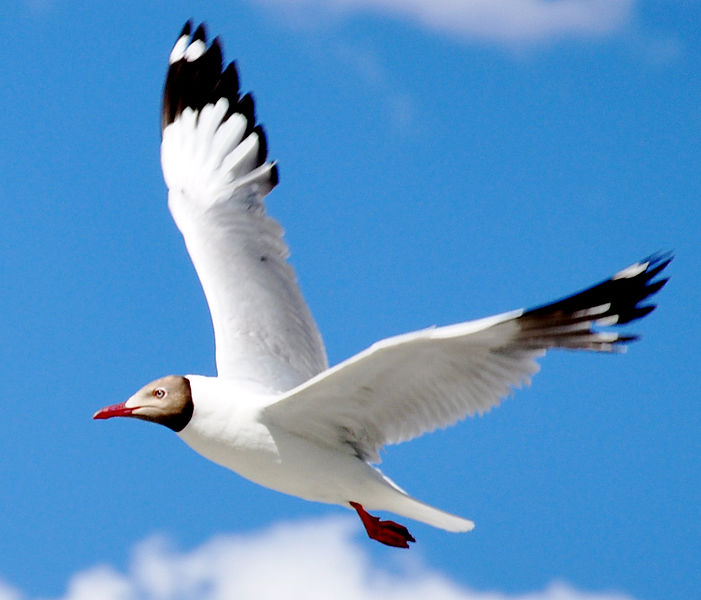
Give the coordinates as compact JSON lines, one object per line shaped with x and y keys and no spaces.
{"x":311,"y":560}
{"x":367,"y":66}
{"x":502,"y":21}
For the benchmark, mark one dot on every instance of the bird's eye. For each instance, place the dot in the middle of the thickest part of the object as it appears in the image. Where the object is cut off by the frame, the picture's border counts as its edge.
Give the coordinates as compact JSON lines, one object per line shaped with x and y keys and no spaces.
{"x":160,"y":393}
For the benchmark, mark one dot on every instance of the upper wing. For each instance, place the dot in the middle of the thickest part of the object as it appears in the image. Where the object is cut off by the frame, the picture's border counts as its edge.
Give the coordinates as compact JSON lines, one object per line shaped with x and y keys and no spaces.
{"x":214,"y":163}
{"x":407,"y":385}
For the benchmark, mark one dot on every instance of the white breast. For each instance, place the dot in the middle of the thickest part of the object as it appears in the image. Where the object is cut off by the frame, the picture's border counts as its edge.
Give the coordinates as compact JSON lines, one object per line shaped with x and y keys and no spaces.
{"x":226,"y":428}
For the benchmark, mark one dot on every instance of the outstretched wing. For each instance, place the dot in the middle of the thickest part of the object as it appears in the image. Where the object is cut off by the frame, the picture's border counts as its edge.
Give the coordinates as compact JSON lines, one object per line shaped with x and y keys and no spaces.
{"x":214,"y":162}
{"x":407,"y":385}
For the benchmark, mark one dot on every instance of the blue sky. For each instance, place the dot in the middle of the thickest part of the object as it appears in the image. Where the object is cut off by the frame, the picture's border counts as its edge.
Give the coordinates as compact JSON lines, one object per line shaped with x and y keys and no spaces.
{"x":440,"y":161}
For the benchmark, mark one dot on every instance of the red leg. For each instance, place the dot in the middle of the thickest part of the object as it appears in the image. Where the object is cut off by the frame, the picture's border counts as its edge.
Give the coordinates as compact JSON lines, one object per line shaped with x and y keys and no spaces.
{"x":385,"y":532}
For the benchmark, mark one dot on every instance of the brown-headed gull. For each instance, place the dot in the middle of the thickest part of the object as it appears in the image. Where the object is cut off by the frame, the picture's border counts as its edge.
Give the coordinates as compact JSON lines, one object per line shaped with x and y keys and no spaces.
{"x":275,"y":413}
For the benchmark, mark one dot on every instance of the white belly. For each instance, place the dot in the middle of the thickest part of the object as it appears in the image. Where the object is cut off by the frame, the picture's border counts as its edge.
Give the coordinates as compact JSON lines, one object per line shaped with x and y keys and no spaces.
{"x":283,"y":461}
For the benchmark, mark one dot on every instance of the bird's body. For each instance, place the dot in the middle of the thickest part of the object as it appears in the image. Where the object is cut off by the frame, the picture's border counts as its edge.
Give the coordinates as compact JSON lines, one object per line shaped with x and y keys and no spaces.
{"x":229,"y":427}
{"x":275,"y":413}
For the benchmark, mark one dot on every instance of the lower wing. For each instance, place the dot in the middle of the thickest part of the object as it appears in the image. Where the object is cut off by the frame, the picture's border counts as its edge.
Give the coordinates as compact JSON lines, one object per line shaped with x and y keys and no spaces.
{"x":407,"y":385}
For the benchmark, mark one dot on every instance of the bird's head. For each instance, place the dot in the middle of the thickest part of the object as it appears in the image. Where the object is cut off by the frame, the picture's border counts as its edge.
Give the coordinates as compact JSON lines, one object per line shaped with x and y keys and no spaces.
{"x":167,"y":401}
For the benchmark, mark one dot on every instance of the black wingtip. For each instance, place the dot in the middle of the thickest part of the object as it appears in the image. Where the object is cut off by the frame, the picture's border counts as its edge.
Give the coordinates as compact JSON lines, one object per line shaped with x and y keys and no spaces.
{"x":274,"y":175}
{"x":626,"y":339}
{"x":195,"y":80}
{"x":655,"y":287}
{"x":657,"y":266}
{"x":573,"y":322}
{"x":213,"y":58}
{"x":665,"y":256}
{"x":216,"y":43}
{"x":635,"y":313}
{"x":228,"y":87}
{"x":200,"y":33}
{"x":624,"y":292}
{"x":262,"y":145}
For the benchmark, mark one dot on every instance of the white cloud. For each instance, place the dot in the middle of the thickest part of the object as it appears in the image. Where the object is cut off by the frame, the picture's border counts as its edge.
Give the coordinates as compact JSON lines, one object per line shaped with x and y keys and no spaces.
{"x":7,"y":593}
{"x":503,"y":21}
{"x":313,"y":560}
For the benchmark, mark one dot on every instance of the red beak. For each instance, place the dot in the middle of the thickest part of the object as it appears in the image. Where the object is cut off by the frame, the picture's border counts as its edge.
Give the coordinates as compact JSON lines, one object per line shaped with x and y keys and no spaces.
{"x":114,"y":410}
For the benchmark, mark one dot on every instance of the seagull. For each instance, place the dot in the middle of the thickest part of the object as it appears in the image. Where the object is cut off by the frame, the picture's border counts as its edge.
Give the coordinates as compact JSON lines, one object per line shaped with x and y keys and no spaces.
{"x":275,"y":413}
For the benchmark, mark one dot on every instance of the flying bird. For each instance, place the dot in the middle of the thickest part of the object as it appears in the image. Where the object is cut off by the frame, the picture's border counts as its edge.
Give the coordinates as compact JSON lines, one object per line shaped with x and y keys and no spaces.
{"x":276,"y":413}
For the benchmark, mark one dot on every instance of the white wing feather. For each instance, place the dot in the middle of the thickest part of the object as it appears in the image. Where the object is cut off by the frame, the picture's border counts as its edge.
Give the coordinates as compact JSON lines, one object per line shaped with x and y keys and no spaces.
{"x":407,"y":385}
{"x":214,"y":164}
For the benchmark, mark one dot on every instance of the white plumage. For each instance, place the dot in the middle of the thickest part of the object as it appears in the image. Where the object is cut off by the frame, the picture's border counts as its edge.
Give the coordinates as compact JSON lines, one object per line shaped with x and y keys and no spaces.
{"x":276,"y":414}
{"x":263,"y":329}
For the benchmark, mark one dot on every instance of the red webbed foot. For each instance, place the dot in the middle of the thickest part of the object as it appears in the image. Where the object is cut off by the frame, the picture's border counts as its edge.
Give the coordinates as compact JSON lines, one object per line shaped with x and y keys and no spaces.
{"x":385,"y":532}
